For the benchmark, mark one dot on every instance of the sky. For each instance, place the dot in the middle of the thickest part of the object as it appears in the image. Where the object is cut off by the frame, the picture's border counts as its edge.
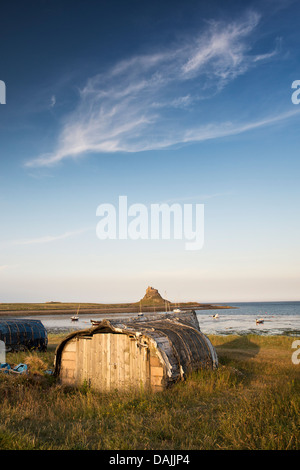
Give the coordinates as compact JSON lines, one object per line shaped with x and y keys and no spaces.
{"x":161,"y":102}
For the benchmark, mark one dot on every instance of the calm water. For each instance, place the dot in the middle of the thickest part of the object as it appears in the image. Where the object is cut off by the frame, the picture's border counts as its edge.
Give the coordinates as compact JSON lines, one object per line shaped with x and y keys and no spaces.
{"x":279,"y":318}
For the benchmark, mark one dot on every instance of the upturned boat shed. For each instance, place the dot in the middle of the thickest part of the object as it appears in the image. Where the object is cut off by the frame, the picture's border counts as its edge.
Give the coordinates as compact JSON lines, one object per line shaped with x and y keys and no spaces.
{"x":22,"y":334}
{"x":150,"y":352}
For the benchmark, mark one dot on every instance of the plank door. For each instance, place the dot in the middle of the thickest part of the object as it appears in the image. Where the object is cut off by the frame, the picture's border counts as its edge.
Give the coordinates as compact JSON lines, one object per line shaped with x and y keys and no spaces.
{"x":113,"y":361}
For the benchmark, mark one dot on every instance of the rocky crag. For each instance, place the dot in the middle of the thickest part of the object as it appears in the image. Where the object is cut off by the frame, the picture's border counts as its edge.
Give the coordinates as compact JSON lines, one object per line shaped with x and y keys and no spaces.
{"x":152,"y":297}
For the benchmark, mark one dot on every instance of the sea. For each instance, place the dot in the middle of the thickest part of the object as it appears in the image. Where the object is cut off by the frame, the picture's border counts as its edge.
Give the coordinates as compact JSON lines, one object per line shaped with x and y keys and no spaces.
{"x":279,"y":318}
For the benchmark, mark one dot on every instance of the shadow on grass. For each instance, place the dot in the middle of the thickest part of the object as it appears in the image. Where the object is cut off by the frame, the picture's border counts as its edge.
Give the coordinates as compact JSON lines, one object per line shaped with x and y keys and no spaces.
{"x":237,"y":353}
{"x":240,"y":347}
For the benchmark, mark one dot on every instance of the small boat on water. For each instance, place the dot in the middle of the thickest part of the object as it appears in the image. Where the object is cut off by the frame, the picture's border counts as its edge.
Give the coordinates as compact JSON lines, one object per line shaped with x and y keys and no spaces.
{"x":95,"y":322}
{"x":76,"y":317}
{"x":259,"y":320}
{"x":177,"y":310}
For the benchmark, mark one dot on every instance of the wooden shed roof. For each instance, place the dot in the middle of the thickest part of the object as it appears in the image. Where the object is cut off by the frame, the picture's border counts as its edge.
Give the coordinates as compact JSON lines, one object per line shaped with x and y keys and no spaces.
{"x":181,"y":345}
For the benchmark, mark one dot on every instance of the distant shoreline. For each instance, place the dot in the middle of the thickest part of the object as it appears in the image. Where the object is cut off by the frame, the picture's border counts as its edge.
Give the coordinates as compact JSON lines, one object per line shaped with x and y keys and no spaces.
{"x":57,"y":308}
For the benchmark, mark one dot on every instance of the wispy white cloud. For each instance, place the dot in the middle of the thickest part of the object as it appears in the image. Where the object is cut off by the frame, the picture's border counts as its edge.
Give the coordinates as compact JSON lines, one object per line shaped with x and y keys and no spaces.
{"x":127,"y":108}
{"x":223,"y":50}
{"x":214,"y":131}
{"x":52,"y":101}
{"x":197,"y":197}
{"x":47,"y":238}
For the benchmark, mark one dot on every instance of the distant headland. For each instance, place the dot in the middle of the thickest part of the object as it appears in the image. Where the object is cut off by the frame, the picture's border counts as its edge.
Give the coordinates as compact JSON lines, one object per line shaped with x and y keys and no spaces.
{"x":151,"y":302}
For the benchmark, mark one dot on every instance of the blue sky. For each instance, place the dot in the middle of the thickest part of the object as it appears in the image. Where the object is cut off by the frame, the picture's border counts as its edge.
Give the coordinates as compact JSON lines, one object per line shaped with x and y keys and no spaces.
{"x":159,"y":101}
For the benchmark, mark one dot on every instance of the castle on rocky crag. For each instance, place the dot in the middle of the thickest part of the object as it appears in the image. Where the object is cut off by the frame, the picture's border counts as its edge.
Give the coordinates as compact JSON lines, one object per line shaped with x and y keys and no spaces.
{"x":153,"y":296}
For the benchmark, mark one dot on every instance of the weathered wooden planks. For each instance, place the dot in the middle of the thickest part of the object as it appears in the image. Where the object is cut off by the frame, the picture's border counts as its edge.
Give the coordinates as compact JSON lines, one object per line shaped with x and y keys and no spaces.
{"x":110,"y":361}
{"x":148,"y":354}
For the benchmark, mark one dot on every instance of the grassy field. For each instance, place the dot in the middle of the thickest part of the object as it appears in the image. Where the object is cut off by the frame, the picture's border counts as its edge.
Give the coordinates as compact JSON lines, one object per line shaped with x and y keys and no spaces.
{"x":250,"y":402}
{"x":24,"y":309}
{"x":52,"y":306}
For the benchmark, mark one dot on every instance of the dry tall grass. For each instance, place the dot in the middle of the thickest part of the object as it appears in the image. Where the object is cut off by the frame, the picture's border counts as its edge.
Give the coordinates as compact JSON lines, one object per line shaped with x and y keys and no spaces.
{"x":251,"y":402}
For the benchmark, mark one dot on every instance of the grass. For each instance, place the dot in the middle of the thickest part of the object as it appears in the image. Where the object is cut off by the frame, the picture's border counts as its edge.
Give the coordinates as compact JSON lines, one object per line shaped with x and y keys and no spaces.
{"x":22,"y":307}
{"x":250,"y":402}
{"x":6,"y":308}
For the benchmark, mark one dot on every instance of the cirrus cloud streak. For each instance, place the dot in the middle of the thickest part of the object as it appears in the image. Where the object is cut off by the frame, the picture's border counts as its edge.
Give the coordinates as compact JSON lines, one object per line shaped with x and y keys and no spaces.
{"x":143,"y":103}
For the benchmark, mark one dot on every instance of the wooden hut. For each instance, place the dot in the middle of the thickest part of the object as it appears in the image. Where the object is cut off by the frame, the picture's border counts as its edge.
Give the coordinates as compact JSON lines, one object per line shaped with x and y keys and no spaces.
{"x":151,"y":352}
